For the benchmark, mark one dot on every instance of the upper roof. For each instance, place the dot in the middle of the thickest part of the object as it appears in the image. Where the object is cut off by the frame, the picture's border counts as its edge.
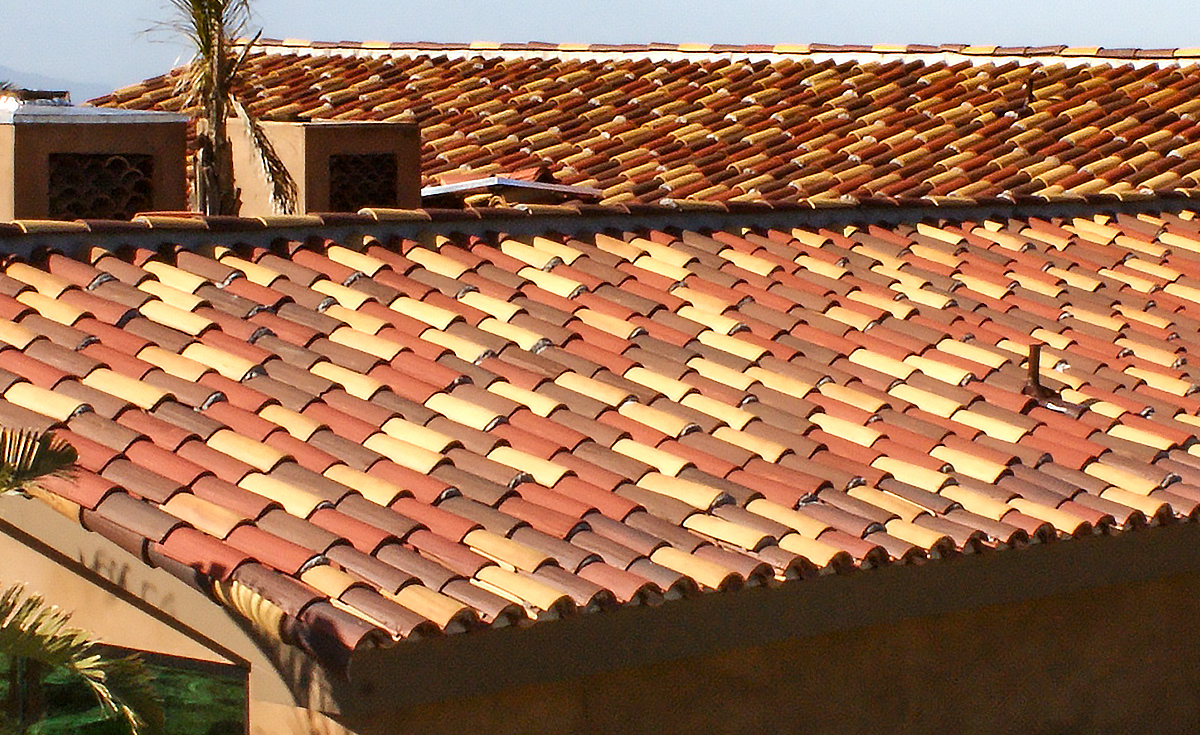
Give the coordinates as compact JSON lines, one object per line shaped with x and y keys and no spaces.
{"x":811,"y":123}
{"x":381,"y":430}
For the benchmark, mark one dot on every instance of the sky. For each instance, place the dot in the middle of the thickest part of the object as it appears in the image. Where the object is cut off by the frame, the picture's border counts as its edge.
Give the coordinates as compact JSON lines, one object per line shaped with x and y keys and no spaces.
{"x":97,"y":47}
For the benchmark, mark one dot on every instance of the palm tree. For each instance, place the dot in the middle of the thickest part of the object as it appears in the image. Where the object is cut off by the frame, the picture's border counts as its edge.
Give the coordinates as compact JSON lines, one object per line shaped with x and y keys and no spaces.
{"x":209,"y":85}
{"x":35,"y":637}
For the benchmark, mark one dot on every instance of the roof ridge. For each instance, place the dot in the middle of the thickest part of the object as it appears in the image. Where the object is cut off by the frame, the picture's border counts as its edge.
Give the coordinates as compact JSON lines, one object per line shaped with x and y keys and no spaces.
{"x":781,"y":49}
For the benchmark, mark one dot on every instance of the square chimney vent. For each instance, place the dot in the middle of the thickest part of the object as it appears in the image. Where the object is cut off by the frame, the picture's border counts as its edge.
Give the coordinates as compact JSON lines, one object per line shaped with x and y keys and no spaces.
{"x":337,"y":166}
{"x":63,"y":162}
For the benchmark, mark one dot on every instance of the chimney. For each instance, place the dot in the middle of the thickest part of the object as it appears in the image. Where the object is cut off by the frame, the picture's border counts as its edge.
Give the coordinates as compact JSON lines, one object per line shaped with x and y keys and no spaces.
{"x":337,"y":166}
{"x":64,"y":162}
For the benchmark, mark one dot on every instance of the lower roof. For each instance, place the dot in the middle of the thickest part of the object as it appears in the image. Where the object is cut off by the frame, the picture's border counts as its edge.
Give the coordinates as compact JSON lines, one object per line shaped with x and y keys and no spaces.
{"x":363,"y":440}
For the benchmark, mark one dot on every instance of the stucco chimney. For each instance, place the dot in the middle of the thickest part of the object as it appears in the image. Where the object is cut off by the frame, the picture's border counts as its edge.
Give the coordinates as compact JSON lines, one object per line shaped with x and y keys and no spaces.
{"x":337,"y":166}
{"x":64,"y":162}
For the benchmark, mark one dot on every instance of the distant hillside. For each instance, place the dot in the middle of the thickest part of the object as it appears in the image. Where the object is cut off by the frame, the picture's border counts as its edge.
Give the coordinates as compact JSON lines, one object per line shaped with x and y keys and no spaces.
{"x":80,"y":91}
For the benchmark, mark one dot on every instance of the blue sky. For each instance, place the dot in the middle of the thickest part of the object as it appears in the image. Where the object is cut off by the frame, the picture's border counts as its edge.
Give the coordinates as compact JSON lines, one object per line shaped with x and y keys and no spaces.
{"x":101,"y":46}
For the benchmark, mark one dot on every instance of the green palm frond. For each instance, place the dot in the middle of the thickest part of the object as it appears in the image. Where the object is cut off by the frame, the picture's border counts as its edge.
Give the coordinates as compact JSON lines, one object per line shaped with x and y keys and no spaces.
{"x":31,"y":629}
{"x":27,"y":455}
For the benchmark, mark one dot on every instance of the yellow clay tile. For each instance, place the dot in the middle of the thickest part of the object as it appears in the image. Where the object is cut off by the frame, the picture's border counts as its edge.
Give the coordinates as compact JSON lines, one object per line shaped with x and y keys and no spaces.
{"x":926,"y":401}
{"x":969,"y":464}
{"x":592,"y":388}
{"x":1142,"y":285}
{"x":702,"y":301}
{"x":617,"y":247}
{"x":1153,"y":269}
{"x":914,"y":534}
{"x":175,"y":277}
{"x":1156,"y":355}
{"x":727,"y":531}
{"x":983,"y":286}
{"x":437,"y":263}
{"x":725,"y":376}
{"x":566,"y":253}
{"x":664,"y":253}
{"x":665,"y":462}
{"x":355,"y":260}
{"x":736,"y":418}
{"x":694,"y":494}
{"x":46,"y":402}
{"x":463,"y":348}
{"x":605,"y":323}
{"x":260,"y":456}
{"x":384,"y":349}
{"x":44,"y":283}
{"x":529,"y":255}
{"x":464,"y":412}
{"x":851,"y":396}
{"x":228,"y":364}
{"x":1106,"y":321}
{"x":765,"y":448}
{"x":351,"y":298}
{"x":294,"y":423}
{"x":898,"y":309}
{"x":705,"y":572}
{"x":921,"y":477}
{"x":1177,"y":240}
{"x":296,"y":501}
{"x":1063,"y":521}
{"x":203,"y":514}
{"x":181,"y":367}
{"x":667,"y":423}
{"x":882,"y":363}
{"x":752,"y":263}
{"x":536,"y":402}
{"x":1149,"y":507}
{"x":522,"y":589}
{"x":821,"y":267}
{"x":255,"y":273}
{"x":505,"y":551}
{"x":1120,"y":478}
{"x":434,"y":316}
{"x":16,"y":335}
{"x":170,"y":295}
{"x":546,"y":473}
{"x":937,"y":256}
{"x":1141,"y":436}
{"x":850,"y":318}
{"x":1174,"y":386}
{"x":669,"y":387}
{"x":976,"y":503}
{"x":356,"y":384}
{"x":364,"y":323}
{"x":428,"y":603}
{"x":860,"y":435}
{"x":502,"y":310}
{"x":945,"y":372}
{"x":992,"y":427}
{"x":380,"y":492}
{"x":51,"y":308}
{"x":1137,"y":315}
{"x":939,"y":234}
{"x":1175,"y":289}
{"x":891,"y":503}
{"x":175,"y":318}
{"x":404,"y":453}
{"x":558,"y":285}
{"x":718,"y":322}
{"x":414,"y":433}
{"x":328,"y":580}
{"x":817,"y":552}
{"x":732,"y":345}
{"x":126,"y":388}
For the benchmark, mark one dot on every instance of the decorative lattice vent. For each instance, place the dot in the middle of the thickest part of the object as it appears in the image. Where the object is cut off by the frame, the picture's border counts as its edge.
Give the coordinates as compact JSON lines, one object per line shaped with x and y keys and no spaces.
{"x":100,"y":185}
{"x":364,"y":180}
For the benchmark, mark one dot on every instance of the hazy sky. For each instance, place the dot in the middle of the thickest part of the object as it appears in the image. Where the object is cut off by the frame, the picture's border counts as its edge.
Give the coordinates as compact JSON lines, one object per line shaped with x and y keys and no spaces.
{"x":103,"y":45}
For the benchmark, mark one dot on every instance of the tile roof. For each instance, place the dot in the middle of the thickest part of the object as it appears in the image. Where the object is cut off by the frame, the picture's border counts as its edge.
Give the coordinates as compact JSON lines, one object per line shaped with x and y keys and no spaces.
{"x":809,"y":123}
{"x":414,"y":436}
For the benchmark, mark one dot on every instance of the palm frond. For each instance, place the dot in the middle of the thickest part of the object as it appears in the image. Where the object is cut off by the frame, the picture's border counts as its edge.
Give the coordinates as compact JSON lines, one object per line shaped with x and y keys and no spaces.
{"x":31,"y":629}
{"x":27,"y":455}
{"x":283,"y":187}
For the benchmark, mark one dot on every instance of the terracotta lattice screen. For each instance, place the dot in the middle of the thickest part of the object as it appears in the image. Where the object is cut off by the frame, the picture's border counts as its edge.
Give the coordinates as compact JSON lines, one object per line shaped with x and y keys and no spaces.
{"x":100,"y":185}
{"x":361,"y":180}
